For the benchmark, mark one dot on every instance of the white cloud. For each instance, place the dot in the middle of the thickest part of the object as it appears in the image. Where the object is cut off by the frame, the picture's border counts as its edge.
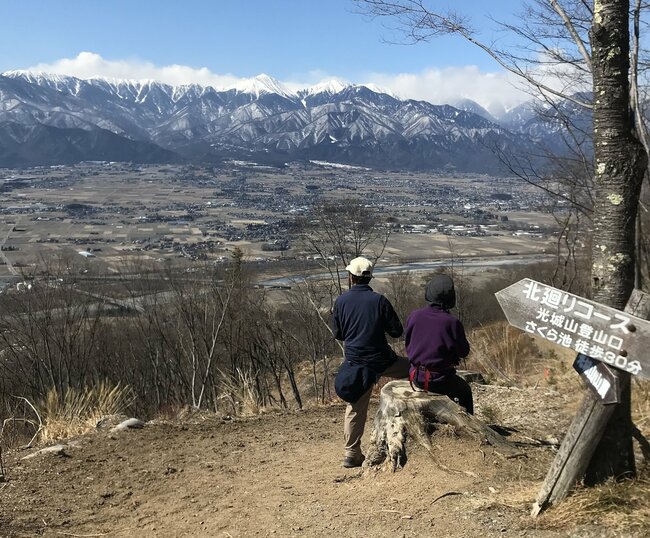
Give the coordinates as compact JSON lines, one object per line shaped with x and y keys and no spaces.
{"x":299,"y":81}
{"x":492,"y":90}
{"x":90,"y":65}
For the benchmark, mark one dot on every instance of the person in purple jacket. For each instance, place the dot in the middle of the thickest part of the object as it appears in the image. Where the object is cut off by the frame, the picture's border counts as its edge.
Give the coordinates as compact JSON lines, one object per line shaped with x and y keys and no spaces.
{"x":435,"y":343}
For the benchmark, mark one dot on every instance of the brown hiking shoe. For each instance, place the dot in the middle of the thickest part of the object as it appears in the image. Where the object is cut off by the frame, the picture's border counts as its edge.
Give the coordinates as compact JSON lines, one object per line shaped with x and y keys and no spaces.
{"x":353,"y":461}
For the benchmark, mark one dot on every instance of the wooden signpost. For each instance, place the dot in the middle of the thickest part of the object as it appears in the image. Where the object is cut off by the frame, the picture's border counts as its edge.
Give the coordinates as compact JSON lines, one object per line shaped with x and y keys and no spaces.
{"x":605,"y":334}
{"x":603,"y":337}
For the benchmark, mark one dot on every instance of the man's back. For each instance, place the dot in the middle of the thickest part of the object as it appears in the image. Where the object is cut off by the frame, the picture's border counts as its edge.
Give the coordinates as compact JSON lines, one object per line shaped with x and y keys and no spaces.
{"x":361,"y":317}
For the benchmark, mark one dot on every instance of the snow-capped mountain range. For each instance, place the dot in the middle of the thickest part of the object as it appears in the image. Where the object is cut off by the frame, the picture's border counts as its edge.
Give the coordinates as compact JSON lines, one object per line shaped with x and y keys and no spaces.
{"x":53,"y":119}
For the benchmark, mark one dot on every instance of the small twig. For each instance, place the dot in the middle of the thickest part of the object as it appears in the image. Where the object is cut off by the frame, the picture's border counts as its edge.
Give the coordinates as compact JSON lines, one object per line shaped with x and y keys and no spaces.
{"x":445,"y":495}
{"x":40,"y":422}
{"x":643,"y":442}
{"x":84,"y":535}
{"x":500,"y":387}
{"x":96,"y":534}
{"x":15,"y":419}
{"x":3,"y":473}
{"x":537,"y":442}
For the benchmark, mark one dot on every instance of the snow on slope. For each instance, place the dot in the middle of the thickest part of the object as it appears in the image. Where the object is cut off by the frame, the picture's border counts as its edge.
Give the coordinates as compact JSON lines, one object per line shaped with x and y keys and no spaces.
{"x":262,"y":84}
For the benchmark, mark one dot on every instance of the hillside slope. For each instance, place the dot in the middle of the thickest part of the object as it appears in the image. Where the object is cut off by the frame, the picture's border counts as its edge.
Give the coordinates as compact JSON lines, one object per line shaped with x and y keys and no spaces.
{"x":281,"y":475}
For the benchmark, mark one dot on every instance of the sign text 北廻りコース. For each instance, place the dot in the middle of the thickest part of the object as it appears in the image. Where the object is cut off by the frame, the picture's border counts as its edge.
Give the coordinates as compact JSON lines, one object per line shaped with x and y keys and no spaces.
{"x":589,"y":328}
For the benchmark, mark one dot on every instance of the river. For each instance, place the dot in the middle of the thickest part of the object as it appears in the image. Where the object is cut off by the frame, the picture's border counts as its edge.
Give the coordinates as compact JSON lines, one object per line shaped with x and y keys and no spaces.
{"x":473,"y":262}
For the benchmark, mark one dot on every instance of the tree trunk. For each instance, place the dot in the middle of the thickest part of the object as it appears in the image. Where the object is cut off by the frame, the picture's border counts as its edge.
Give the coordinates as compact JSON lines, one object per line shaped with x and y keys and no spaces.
{"x":621,"y":163}
{"x":403,"y":412}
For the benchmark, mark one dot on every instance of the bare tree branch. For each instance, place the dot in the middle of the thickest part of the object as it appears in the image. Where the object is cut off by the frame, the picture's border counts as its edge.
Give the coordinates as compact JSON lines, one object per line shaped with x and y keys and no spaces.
{"x":571,"y":29}
{"x":418,"y":23}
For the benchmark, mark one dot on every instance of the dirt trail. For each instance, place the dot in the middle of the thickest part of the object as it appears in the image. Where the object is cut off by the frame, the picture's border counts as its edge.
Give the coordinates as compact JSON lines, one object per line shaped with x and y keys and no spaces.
{"x":281,"y":475}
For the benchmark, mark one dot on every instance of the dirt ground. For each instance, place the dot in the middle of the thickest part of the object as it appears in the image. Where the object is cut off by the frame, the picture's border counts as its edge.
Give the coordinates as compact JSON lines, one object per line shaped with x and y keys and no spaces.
{"x":280,"y":474}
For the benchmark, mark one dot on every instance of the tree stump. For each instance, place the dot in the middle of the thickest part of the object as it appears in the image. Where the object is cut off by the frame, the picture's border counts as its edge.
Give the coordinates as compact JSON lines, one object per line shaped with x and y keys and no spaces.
{"x":403,"y":412}
{"x":471,"y":376}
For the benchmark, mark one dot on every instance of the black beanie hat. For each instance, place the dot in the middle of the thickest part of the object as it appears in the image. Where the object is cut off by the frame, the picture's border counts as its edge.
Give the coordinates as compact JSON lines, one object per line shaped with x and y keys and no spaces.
{"x":440,"y":292}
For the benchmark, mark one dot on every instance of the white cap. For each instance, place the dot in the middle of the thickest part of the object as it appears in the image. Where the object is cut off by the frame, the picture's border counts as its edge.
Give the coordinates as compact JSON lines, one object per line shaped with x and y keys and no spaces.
{"x":360,"y":267}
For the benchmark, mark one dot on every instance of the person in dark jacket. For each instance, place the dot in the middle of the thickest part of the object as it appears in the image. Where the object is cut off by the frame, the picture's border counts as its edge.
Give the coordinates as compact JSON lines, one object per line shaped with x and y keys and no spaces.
{"x":362,"y":318}
{"x":435,"y":343}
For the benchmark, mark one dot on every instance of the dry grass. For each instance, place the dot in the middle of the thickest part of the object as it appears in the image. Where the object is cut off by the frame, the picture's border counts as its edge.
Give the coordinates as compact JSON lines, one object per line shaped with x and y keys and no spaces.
{"x":491,"y":415}
{"x":641,"y":404}
{"x":501,"y":351}
{"x":517,"y":495}
{"x":78,"y":411}
{"x":623,"y":506}
{"x":239,"y":390}
{"x":620,"y":507}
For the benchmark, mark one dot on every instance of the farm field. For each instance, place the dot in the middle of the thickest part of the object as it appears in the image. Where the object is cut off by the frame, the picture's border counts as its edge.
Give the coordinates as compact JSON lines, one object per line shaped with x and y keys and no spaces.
{"x":110,"y":213}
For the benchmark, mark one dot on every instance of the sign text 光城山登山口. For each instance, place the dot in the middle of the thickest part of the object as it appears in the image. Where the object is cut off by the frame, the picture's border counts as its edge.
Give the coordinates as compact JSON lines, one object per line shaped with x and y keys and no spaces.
{"x":598,"y":331}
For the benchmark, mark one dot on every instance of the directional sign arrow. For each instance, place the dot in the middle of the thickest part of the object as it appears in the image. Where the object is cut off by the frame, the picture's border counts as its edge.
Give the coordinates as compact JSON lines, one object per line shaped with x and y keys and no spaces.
{"x":603,"y":333}
{"x":600,"y":379}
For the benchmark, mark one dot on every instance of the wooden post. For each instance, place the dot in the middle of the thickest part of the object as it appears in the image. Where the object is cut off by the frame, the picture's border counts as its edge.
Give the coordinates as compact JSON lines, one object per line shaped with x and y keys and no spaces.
{"x":586,"y":430}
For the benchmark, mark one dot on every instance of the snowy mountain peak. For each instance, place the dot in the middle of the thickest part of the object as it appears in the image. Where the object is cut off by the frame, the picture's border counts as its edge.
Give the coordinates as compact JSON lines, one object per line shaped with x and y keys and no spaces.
{"x":330,"y":86}
{"x":48,"y":116}
{"x":262,"y":84}
{"x":38,"y":77}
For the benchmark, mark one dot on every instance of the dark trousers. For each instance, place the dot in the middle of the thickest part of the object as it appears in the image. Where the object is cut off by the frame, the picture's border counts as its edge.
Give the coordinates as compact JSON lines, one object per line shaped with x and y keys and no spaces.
{"x":456,"y":388}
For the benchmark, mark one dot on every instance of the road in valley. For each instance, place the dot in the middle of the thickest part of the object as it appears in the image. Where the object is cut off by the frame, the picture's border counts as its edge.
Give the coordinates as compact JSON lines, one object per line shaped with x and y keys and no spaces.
{"x":3,"y":254}
{"x":11,"y":278}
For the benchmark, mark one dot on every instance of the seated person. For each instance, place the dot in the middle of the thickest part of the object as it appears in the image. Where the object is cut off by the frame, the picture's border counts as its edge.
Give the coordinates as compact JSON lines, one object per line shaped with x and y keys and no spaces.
{"x":435,"y":343}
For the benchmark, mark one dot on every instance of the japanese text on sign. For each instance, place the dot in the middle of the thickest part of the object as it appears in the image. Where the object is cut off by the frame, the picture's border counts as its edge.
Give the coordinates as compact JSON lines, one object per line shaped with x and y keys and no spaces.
{"x":566,"y":320}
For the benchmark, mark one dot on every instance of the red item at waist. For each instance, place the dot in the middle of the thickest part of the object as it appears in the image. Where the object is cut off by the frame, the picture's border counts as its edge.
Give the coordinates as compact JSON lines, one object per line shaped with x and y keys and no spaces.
{"x":423,"y":375}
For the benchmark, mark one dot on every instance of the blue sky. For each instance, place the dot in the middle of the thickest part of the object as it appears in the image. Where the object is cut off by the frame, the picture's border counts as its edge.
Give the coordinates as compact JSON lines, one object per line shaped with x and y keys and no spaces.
{"x":298,"y":41}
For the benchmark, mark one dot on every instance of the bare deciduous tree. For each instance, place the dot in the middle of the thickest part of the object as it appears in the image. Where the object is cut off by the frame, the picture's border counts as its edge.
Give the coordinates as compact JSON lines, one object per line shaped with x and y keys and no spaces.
{"x":342,"y":230}
{"x":578,"y":44}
